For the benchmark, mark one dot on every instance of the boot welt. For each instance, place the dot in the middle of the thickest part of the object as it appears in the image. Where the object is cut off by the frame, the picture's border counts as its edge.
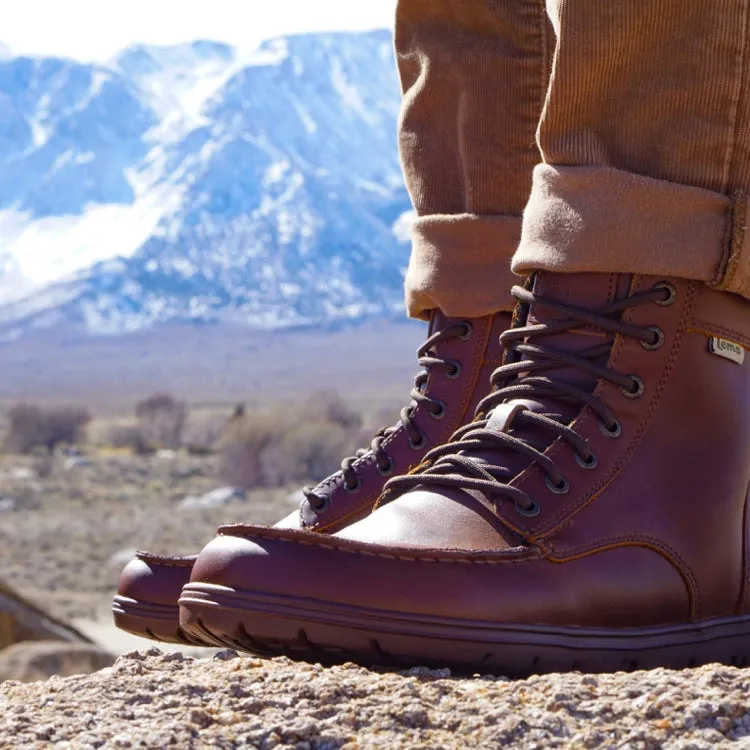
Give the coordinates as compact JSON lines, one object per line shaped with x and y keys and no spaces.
{"x":330,"y":633}
{"x":159,"y":622}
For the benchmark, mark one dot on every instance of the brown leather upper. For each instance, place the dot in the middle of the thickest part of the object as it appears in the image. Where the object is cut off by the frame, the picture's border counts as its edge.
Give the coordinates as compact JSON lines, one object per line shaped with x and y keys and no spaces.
{"x":458,"y":386}
{"x":654,"y":533}
{"x":159,"y":579}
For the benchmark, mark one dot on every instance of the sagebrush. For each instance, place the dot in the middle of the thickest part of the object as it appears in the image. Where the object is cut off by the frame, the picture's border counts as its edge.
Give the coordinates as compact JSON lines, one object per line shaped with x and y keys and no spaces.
{"x":33,"y":427}
{"x":282,"y":445}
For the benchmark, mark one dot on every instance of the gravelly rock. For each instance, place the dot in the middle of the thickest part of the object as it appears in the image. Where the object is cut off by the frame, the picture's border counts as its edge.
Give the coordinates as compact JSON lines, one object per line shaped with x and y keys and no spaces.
{"x":154,"y":700}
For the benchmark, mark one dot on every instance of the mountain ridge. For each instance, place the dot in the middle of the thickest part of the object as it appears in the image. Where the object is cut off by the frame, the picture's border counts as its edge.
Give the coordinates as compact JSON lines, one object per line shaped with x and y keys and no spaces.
{"x":203,"y":183}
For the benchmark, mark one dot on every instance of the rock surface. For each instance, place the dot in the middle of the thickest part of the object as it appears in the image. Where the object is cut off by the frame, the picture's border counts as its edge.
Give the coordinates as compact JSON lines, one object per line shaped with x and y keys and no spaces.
{"x":150,"y":699}
{"x":21,"y":620}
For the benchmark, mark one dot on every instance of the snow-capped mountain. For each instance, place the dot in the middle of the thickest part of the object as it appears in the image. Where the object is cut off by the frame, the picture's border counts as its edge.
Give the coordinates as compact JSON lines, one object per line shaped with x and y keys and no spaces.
{"x":202,"y":182}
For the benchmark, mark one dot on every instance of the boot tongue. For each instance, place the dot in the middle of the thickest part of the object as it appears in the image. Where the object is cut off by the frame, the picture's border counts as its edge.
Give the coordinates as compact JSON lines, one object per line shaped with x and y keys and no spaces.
{"x":583,"y":291}
{"x":588,"y":291}
{"x":436,"y":322}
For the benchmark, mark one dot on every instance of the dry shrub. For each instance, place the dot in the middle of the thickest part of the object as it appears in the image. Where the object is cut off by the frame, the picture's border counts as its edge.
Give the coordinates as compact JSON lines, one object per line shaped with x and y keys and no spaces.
{"x":198,"y":435}
{"x":274,"y":447}
{"x":31,"y":426}
{"x":384,"y":416}
{"x":161,"y":420}
{"x":314,"y":450}
{"x":44,"y":465}
{"x":129,"y":436}
{"x":245,"y":446}
{"x":202,"y":434}
{"x":332,"y":408}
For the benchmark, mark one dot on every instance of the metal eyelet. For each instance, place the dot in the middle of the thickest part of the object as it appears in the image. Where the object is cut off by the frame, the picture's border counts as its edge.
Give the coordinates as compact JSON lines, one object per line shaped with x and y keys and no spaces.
{"x":615,"y":432}
{"x":456,"y":370}
{"x":671,"y":293}
{"x":357,"y":487}
{"x":388,"y":469}
{"x":440,"y":411}
{"x":592,"y":462}
{"x":558,"y":489}
{"x":469,"y":330}
{"x":324,"y":503}
{"x":530,"y":512}
{"x":659,"y":339}
{"x":417,"y":446}
{"x":637,"y":392}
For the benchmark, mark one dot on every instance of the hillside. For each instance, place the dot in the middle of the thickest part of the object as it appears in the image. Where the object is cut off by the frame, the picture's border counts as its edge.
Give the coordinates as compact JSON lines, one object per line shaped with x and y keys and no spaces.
{"x":202,"y":183}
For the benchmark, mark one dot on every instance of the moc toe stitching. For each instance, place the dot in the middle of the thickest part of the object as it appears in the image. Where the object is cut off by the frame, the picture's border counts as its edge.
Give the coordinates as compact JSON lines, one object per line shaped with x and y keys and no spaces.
{"x":167,"y":561}
{"x":405,"y":553}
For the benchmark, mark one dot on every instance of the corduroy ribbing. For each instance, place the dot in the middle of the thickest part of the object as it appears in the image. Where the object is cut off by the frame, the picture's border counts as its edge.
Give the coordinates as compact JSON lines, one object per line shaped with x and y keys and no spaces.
{"x":474,"y":75}
{"x":652,"y":97}
{"x":651,"y":87}
{"x":646,"y":138}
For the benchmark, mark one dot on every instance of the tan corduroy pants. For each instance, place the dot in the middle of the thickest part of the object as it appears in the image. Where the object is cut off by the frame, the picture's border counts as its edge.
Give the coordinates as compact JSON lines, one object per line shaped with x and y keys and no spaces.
{"x":618,"y":129}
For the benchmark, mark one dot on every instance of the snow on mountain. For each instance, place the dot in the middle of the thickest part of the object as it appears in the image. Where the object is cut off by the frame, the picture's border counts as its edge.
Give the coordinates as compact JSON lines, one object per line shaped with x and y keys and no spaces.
{"x":202,"y":182}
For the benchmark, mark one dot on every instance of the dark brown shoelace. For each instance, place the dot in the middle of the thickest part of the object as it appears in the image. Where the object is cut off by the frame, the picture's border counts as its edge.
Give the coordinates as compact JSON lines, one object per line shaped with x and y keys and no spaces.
{"x":428,"y":361}
{"x":527,"y":374}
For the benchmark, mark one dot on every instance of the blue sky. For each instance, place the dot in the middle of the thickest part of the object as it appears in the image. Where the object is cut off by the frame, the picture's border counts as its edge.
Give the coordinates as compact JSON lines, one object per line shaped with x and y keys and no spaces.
{"x":96,"y":29}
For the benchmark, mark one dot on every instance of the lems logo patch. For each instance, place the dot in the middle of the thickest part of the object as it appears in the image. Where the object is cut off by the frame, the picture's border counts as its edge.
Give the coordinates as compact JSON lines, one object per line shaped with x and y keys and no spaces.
{"x":727,"y":349}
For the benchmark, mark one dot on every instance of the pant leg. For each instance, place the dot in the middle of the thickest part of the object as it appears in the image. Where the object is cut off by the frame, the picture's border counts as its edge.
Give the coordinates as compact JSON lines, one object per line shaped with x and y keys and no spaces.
{"x":645,"y":139}
{"x":474,"y":75}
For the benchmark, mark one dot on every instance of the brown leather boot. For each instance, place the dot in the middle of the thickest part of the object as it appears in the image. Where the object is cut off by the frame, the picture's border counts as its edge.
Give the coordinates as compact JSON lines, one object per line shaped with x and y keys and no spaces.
{"x":596,"y":519}
{"x":457,"y":359}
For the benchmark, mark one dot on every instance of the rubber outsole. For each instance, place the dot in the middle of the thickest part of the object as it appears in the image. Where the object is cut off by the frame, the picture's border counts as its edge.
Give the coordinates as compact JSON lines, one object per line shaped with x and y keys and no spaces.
{"x":158,"y":622}
{"x":329,"y":633}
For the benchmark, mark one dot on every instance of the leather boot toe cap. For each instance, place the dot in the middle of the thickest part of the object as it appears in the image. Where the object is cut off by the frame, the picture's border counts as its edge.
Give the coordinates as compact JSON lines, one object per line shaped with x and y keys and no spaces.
{"x":155,"y":579}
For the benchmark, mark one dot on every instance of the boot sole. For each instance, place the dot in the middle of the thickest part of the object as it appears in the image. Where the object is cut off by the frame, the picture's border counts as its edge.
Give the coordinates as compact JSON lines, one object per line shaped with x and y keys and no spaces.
{"x":329,"y":633}
{"x":158,"y":622}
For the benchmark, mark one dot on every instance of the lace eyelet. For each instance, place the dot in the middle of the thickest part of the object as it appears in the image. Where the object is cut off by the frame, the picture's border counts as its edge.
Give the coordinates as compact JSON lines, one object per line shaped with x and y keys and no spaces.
{"x":323,"y":505}
{"x":659,"y":339}
{"x":615,"y":432}
{"x":533,"y":510}
{"x":592,"y":462}
{"x":388,"y":469}
{"x":558,"y":489}
{"x":440,"y":411}
{"x":456,"y":373}
{"x":638,"y":391}
{"x":671,"y":293}
{"x":417,"y":446}
{"x":469,"y":330}
{"x":352,"y":490}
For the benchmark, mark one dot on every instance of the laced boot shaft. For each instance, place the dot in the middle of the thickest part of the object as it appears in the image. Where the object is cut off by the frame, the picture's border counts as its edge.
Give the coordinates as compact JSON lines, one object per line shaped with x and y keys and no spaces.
{"x":436,"y":408}
{"x":457,"y":358}
{"x":532,"y":402}
{"x":620,"y":425}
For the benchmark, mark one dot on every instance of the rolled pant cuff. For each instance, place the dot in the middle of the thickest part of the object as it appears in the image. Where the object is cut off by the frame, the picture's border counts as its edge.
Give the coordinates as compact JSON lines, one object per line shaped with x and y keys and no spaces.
{"x":594,"y":219}
{"x":460,"y":264}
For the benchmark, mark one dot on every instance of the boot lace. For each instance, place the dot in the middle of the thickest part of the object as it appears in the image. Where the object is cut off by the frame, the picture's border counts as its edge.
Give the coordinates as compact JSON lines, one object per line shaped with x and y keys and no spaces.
{"x":525,"y":374}
{"x":429,"y":360}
